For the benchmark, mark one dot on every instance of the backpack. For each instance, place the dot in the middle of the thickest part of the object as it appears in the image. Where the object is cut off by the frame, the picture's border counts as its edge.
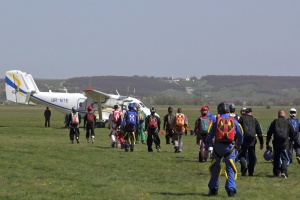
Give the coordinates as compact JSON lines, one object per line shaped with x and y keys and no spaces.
{"x":141,"y":116}
{"x":248,"y":124}
{"x":90,"y":118}
{"x":75,"y":118}
{"x":280,"y":130}
{"x":225,"y":129}
{"x":203,"y":125}
{"x":116,"y":117}
{"x":131,"y":118}
{"x":152,"y":123}
{"x":179,"y":120}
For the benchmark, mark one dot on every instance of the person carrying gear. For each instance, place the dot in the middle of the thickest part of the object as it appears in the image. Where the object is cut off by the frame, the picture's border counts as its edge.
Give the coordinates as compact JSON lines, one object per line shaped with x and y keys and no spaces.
{"x":232,"y":111}
{"x":74,"y":122}
{"x":282,"y":130}
{"x":114,"y":125}
{"x":89,"y":121}
{"x":130,"y":124}
{"x":180,"y":127}
{"x":47,"y":115}
{"x":294,"y":145}
{"x":251,"y":129}
{"x":141,"y":129}
{"x":213,"y":120}
{"x":152,"y":124}
{"x":167,"y":125}
{"x":228,"y":138}
{"x":202,"y":127}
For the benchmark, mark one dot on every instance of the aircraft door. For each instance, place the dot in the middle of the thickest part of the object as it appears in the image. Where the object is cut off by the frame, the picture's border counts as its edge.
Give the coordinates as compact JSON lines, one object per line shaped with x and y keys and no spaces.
{"x":81,"y":104}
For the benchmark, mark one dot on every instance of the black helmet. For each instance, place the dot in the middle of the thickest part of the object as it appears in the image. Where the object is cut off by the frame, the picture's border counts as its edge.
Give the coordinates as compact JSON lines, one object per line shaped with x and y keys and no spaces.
{"x":232,"y":107}
{"x":74,"y":109}
{"x":223,"y":108}
{"x":152,"y":109}
{"x":170,"y":109}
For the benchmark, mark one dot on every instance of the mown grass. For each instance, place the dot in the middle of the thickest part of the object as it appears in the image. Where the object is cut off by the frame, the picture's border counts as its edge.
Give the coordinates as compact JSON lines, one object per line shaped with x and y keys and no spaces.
{"x":40,"y":163}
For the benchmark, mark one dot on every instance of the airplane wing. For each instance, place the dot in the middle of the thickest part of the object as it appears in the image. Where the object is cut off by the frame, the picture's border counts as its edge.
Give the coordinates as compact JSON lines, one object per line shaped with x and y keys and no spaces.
{"x":99,"y":97}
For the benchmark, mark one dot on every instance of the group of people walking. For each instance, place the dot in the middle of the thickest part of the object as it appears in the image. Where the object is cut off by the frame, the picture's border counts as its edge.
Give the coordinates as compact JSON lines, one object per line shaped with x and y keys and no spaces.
{"x":225,"y":137}
{"x":128,"y":127}
{"x":234,"y":139}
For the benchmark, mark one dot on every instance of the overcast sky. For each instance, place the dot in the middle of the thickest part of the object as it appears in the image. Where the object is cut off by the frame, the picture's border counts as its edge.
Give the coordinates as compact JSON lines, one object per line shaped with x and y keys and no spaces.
{"x":72,"y":38}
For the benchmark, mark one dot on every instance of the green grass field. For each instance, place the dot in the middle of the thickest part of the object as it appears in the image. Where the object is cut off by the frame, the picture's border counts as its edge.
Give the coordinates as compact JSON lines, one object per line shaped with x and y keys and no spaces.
{"x":40,"y":163}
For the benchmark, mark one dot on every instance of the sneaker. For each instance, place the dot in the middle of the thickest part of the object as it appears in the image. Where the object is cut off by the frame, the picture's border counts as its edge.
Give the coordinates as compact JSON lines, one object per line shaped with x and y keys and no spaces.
{"x":176,"y":149}
{"x":283,"y":175}
{"x":72,"y":141}
{"x":298,"y":159}
{"x":88,"y":140}
{"x":213,"y":192}
{"x":158,"y":149}
{"x":113,"y":144}
{"x":93,"y":137}
{"x":77,"y":139}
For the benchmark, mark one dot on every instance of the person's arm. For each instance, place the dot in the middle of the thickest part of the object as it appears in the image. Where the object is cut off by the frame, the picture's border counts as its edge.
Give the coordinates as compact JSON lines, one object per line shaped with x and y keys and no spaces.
{"x":158,"y":123}
{"x":239,"y":135}
{"x":259,"y":134}
{"x":270,"y":133}
{"x":165,"y":122}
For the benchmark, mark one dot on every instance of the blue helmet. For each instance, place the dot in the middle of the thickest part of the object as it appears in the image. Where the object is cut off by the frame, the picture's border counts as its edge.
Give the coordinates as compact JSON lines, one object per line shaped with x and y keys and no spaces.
{"x":130,"y":106}
{"x":268,"y":155}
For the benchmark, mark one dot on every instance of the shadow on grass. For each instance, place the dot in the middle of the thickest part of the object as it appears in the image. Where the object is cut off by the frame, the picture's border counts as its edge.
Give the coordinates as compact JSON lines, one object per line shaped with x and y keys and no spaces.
{"x":179,"y":194}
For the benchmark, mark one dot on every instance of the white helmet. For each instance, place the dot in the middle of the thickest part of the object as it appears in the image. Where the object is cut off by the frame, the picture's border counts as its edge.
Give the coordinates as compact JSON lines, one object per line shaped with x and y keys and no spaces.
{"x":293,"y":112}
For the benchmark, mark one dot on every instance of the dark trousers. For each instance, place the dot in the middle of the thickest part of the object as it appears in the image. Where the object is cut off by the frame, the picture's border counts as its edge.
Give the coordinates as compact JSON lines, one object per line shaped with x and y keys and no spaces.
{"x":47,"y":122}
{"x":281,"y":160}
{"x":74,"y":132}
{"x":247,"y":155}
{"x":129,"y":138}
{"x":152,"y":137}
{"x":90,"y":131}
{"x":169,"y":135}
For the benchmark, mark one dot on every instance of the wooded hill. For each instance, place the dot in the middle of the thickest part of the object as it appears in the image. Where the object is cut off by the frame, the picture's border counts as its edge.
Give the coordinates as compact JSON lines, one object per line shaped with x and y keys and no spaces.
{"x":250,"y":90}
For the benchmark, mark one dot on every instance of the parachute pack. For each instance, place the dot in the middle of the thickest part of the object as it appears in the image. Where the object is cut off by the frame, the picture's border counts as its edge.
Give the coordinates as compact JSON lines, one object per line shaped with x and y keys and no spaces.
{"x":203,"y":125}
{"x":90,"y":118}
{"x":131,"y":117}
{"x":281,"y":127}
{"x":225,"y":129}
{"x":152,"y":123}
{"x":141,"y":116}
{"x":75,"y":118}
{"x":248,"y":124}
{"x":117,"y":117}
{"x":179,"y":119}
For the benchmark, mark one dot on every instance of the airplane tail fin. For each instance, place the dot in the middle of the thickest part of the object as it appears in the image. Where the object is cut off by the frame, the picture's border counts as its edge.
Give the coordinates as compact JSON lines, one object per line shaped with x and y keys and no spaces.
{"x":19,"y":86}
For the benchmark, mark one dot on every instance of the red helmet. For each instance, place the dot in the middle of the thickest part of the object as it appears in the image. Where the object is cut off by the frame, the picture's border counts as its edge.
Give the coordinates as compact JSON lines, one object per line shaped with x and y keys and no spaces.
{"x":204,"y":108}
{"x":90,"y":108}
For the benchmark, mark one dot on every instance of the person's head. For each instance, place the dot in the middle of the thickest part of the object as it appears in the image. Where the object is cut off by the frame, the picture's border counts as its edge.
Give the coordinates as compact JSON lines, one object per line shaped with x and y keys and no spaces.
{"x":281,"y":113}
{"x":170,"y":109}
{"x":243,"y":111}
{"x":74,"y":110}
{"x":130,"y":106}
{"x":152,"y":110}
{"x":179,"y":110}
{"x":116,"y":107}
{"x":223,"y":108}
{"x":47,"y":108}
{"x":293,"y":112}
{"x":138,"y":107}
{"x":232,"y":108}
{"x":204,"y":110}
{"x":248,"y":111}
{"x":89,"y":108}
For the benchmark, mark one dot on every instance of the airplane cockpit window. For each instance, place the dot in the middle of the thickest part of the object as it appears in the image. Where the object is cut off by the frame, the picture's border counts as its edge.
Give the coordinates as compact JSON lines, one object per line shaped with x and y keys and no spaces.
{"x":142,"y":105}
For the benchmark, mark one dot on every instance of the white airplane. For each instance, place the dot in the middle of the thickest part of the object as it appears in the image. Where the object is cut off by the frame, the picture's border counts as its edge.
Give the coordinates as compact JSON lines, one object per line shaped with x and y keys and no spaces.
{"x":21,"y":88}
